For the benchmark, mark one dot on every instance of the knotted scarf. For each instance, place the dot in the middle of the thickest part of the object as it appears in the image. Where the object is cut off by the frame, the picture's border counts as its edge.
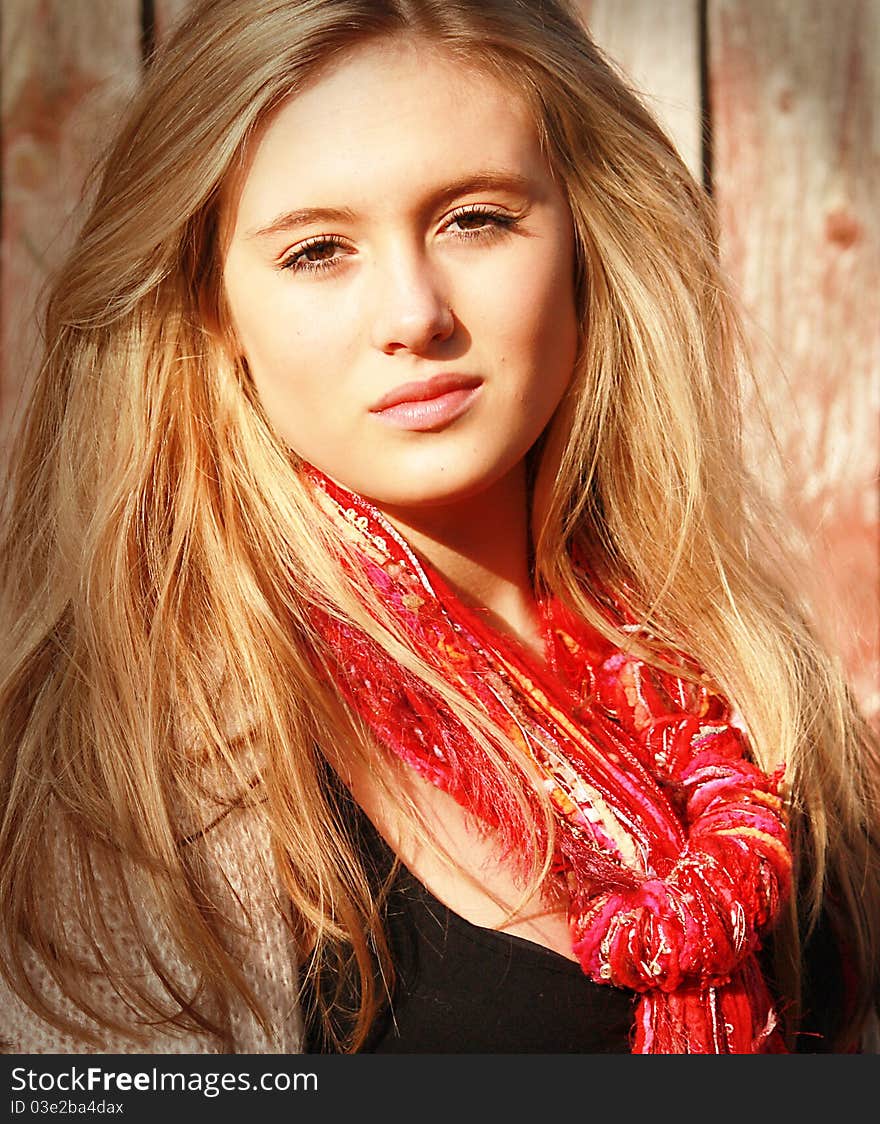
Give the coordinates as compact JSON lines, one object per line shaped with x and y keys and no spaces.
{"x":671,"y":842}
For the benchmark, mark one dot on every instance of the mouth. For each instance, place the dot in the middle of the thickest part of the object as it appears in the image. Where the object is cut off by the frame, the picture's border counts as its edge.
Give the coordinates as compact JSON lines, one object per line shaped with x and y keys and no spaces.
{"x":431,"y":404}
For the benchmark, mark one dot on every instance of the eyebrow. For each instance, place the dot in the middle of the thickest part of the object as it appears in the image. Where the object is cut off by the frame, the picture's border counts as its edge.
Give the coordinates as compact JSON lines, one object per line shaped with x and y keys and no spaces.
{"x":510,"y":182}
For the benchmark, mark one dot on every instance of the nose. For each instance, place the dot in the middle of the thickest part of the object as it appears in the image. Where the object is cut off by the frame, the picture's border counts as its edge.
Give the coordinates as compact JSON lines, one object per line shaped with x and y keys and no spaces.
{"x":411,"y":310}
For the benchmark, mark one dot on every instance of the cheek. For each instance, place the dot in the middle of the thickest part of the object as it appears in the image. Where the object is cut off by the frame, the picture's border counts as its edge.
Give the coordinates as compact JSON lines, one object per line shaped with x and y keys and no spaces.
{"x":536,"y":307}
{"x":296,"y":353}
{"x":295,"y":349}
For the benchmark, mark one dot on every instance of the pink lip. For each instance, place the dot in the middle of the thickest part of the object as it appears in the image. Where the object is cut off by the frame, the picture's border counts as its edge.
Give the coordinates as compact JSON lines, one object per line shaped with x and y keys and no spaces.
{"x":422,"y":391}
{"x":431,"y":404}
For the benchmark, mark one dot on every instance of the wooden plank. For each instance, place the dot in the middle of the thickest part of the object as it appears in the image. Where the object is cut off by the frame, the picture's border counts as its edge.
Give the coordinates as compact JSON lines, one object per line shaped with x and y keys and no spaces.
{"x":69,"y":66}
{"x":796,"y":137}
{"x":657,"y":47}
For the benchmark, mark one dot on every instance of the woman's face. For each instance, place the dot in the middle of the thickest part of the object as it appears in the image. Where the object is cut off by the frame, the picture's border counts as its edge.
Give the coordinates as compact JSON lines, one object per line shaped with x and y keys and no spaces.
{"x":399,"y":269}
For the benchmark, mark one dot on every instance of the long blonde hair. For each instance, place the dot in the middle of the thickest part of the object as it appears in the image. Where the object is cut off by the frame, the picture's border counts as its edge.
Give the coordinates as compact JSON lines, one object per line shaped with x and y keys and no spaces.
{"x":161,"y":554}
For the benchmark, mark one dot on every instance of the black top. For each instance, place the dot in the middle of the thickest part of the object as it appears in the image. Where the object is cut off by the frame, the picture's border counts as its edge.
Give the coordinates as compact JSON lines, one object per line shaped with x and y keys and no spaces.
{"x":464,"y":989}
{"x":461,"y":988}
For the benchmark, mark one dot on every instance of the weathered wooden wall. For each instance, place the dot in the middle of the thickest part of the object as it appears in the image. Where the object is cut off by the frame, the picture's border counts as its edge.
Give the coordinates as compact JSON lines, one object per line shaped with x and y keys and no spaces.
{"x":795,"y":101}
{"x":68,"y":69}
{"x":775,"y":102}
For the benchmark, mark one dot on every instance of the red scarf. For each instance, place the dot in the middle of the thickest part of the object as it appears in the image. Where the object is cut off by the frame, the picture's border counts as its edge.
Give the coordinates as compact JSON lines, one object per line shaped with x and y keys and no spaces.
{"x":672,"y":843}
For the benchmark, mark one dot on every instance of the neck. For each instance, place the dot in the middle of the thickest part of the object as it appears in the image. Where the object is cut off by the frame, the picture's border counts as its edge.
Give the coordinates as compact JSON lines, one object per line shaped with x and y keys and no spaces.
{"x":481,"y":547}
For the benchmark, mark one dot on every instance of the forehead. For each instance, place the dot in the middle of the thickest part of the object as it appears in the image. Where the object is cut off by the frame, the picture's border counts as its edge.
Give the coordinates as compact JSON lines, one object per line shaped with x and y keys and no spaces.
{"x":389,"y":118}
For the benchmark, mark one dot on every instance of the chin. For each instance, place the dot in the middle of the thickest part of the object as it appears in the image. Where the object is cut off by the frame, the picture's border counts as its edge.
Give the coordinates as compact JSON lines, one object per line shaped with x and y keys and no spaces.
{"x":415,"y":497}
{"x":432,"y":487}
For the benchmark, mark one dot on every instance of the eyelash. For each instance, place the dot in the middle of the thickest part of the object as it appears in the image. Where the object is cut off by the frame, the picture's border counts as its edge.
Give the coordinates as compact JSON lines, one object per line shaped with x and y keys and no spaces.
{"x":499,"y":221}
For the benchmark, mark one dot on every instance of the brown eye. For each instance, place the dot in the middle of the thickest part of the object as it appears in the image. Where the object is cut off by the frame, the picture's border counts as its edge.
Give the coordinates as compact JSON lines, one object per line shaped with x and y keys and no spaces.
{"x":479,"y":220}
{"x":473,"y":221}
{"x":321,"y":253}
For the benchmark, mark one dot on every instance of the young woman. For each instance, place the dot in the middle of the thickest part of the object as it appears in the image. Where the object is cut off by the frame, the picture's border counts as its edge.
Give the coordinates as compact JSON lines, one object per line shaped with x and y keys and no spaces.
{"x":400,"y":657}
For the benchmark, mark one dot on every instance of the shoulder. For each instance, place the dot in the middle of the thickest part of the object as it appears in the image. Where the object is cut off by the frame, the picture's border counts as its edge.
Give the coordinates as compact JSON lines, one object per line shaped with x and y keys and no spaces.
{"x":239,"y":873}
